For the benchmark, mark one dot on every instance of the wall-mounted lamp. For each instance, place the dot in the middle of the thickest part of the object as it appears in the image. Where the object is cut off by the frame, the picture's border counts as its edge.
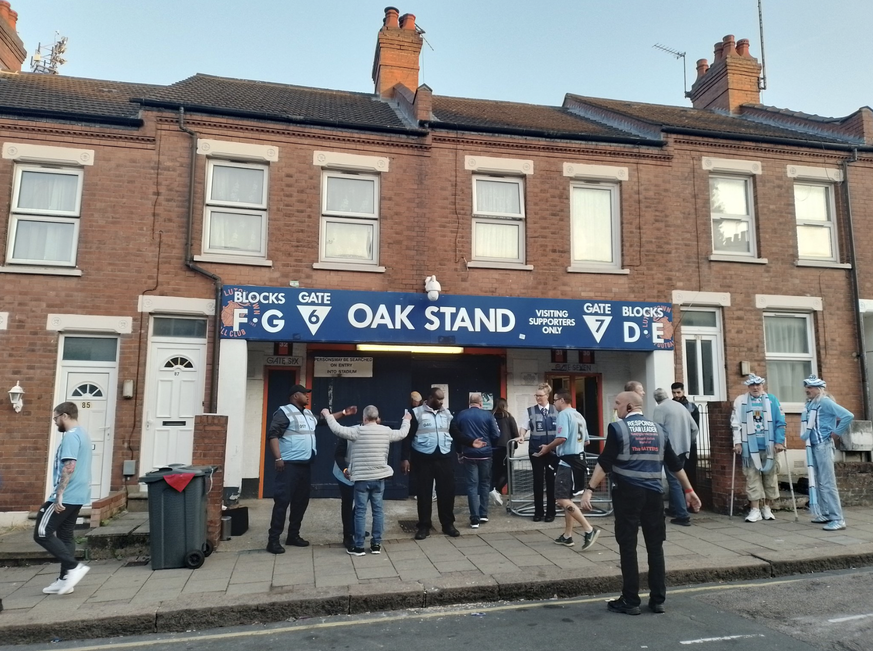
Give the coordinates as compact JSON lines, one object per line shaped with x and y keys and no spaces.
{"x":432,"y":287}
{"x":15,"y":397}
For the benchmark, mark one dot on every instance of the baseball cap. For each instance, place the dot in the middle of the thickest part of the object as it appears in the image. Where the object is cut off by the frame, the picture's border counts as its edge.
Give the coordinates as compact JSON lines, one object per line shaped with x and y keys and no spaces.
{"x":298,"y":388}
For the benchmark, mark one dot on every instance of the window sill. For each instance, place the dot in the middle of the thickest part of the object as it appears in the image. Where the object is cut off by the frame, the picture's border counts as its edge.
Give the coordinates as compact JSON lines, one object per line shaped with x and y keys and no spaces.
{"x":348,"y":266}
{"x":598,"y":270}
{"x":824,"y":264}
{"x":792,"y":407}
{"x":479,"y":264}
{"x":736,"y":258}
{"x":41,"y":271}
{"x":233,"y":259}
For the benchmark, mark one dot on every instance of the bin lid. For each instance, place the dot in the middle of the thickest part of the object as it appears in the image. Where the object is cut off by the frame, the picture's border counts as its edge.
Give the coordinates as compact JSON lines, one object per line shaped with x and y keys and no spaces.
{"x":177,"y":469}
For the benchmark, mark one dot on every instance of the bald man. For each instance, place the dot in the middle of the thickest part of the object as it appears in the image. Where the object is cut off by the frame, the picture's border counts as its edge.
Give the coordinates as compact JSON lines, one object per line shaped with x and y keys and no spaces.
{"x":635,"y":452}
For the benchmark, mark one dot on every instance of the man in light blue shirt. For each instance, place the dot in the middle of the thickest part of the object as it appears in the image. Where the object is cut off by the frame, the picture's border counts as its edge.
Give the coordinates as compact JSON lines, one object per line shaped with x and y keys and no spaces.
{"x":568,"y":447}
{"x":823,"y":422}
{"x":56,"y":519}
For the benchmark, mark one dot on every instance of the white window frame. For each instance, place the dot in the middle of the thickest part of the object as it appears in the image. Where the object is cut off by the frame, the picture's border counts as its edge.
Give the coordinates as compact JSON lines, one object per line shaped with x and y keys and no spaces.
{"x":752,"y":253}
{"x":51,"y":216}
{"x":499,"y":218}
{"x":708,"y":333}
{"x":615,"y":203}
{"x":794,"y":407}
{"x":243,"y":208}
{"x":830,"y":224}
{"x":349,"y":217}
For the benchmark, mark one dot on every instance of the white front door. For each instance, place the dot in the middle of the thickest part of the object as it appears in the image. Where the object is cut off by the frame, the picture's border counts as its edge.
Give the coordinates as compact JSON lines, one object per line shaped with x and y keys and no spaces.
{"x":88,"y":377}
{"x":173,"y":397}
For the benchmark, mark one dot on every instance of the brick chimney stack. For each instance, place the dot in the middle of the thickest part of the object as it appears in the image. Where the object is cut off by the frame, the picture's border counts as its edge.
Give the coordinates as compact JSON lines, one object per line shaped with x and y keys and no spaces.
{"x":12,"y":52}
{"x":397,"y":52}
{"x":731,"y":80}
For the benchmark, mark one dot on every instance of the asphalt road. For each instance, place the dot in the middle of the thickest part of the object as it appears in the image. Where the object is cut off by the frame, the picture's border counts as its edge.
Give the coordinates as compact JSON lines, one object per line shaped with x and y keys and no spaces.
{"x":832,"y":611}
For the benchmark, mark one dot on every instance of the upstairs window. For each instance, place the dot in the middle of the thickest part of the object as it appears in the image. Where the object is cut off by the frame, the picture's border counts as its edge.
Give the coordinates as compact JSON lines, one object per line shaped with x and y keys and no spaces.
{"x":236,"y":209}
{"x":814,"y":211}
{"x":44,"y":225}
{"x":498,"y":219}
{"x":349,"y":218}
{"x":733,"y":220}
{"x":595,"y":226}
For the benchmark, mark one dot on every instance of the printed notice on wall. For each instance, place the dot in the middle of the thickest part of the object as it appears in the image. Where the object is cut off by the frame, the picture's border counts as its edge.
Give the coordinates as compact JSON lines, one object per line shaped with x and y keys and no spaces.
{"x":343,"y":367}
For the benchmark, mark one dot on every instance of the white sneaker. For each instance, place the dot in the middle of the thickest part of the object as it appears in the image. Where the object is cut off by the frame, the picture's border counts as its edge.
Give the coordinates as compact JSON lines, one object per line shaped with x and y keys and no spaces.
{"x":496,"y":496}
{"x":767,"y":513}
{"x":754,"y":515}
{"x":55,"y":587}
{"x":73,"y":577}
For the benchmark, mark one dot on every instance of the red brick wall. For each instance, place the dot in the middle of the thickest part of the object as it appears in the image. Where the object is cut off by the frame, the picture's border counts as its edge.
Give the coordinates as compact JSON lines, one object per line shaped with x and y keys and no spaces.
{"x":724,"y":461}
{"x":135,"y":212}
{"x":210,"y":436}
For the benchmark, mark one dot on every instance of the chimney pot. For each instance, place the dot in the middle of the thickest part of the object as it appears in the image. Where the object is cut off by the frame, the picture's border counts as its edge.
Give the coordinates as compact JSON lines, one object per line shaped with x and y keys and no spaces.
{"x":729,"y":48}
{"x":743,"y":47}
{"x":702,"y":67}
{"x":391,"y":14}
{"x":717,"y":52}
{"x":407,"y":21}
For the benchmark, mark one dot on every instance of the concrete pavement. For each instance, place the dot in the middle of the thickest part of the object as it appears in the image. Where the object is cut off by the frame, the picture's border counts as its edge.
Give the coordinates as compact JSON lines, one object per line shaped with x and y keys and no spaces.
{"x":509,"y":558}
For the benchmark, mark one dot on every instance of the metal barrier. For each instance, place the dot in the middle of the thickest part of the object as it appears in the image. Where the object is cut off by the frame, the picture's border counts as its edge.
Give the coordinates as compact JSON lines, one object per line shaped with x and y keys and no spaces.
{"x":519,"y":487}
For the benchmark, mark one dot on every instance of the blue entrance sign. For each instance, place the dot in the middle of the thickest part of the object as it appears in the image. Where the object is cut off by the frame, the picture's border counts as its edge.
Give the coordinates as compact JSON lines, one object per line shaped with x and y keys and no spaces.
{"x":342,"y":316}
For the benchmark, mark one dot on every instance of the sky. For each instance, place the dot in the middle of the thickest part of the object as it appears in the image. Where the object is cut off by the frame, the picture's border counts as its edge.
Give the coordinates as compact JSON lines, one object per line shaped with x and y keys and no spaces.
{"x":818,"y":54}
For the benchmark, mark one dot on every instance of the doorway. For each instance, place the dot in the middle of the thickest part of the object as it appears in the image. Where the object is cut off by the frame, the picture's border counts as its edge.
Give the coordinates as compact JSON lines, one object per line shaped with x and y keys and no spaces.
{"x":88,"y":378}
{"x":278,"y":383}
{"x":586,"y":392}
{"x":175,"y":383}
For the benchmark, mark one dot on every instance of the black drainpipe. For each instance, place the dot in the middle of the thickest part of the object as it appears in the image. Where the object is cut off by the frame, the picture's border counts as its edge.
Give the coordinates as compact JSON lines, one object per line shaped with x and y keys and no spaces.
{"x":193,"y":266}
{"x":856,"y":289}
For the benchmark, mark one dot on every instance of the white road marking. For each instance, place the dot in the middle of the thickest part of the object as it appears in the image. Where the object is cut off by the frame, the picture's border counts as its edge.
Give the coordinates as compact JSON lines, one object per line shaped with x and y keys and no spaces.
{"x":849,"y":619}
{"x":719,"y":639}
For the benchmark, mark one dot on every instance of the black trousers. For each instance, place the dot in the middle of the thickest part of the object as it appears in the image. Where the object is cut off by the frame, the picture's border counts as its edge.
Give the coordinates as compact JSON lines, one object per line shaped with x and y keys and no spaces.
{"x":54,"y":531}
{"x":637,"y":508}
{"x":691,"y":465}
{"x":291,"y":489}
{"x":347,"y":509}
{"x":430,"y":468}
{"x":544,"y":470}
{"x":498,"y":468}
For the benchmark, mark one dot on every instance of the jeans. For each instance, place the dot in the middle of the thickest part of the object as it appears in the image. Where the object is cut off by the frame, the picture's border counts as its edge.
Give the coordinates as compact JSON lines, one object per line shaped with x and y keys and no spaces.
{"x":478,"y":487}
{"x":637,"y":508}
{"x":826,"y":481}
{"x":677,"y":494}
{"x":369,"y":491}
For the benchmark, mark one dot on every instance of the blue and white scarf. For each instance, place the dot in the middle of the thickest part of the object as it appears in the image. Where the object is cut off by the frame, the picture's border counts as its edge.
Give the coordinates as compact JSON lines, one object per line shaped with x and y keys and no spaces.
{"x":753,"y":428}
{"x":811,"y":434}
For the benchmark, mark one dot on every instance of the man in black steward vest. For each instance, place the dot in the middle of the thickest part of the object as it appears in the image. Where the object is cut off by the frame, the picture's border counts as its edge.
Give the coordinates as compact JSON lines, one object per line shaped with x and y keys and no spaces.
{"x":635,"y":451}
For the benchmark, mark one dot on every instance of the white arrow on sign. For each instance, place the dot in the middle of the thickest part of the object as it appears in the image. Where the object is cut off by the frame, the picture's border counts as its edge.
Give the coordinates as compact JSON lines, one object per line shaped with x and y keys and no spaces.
{"x":314,"y":316}
{"x":597,"y":325}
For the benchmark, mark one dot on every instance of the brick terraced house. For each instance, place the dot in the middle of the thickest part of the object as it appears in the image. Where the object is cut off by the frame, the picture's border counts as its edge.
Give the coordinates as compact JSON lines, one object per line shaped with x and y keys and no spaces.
{"x":200,"y":247}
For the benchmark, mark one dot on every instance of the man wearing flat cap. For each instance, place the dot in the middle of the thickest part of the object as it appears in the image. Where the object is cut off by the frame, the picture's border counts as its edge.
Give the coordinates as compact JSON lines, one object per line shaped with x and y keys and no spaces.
{"x":758,"y":424}
{"x":291,"y":438}
{"x":823,"y":422}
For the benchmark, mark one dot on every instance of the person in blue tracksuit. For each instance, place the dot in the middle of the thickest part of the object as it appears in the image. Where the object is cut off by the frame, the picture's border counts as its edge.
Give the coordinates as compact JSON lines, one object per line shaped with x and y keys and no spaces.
{"x":823,"y":421}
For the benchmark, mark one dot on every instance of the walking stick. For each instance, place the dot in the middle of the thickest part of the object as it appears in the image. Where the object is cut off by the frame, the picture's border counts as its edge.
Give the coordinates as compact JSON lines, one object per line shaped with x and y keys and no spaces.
{"x":733,"y":476}
{"x":790,"y":484}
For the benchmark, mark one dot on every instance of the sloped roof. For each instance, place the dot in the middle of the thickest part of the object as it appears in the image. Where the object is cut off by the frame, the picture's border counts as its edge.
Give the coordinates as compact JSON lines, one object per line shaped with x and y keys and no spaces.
{"x":678,"y":117}
{"x":73,"y":97}
{"x":276,"y":101}
{"x":496,"y":115}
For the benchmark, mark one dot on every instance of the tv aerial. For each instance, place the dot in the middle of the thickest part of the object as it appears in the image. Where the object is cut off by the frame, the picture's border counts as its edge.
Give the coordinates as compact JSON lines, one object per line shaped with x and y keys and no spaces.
{"x":49,"y":58}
